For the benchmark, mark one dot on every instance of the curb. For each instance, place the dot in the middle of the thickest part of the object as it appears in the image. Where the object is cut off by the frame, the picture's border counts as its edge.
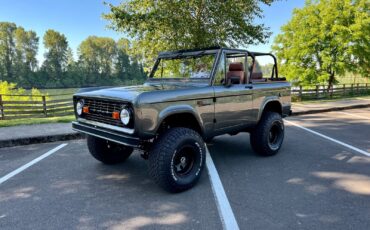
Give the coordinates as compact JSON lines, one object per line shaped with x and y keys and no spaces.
{"x":74,"y":136}
{"x":331,"y":109}
{"x":40,"y":139}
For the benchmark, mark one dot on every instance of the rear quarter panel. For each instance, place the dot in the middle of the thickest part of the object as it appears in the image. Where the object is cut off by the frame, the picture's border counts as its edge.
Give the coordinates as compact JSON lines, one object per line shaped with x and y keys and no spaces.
{"x":264,"y":93}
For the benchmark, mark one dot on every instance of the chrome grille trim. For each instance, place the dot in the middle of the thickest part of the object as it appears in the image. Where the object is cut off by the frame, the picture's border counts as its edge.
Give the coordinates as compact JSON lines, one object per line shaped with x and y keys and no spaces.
{"x":101,"y":111}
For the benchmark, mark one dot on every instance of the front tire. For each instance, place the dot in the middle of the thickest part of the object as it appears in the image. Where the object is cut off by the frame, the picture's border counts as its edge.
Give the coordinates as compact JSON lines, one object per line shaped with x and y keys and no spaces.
{"x":107,"y":151}
{"x":177,"y":159}
{"x":268,"y":136}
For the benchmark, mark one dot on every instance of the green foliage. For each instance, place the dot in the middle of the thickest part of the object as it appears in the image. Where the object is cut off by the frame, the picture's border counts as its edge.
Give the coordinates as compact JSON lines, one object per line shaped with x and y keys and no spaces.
{"x":101,"y":61}
{"x":55,"y":63}
{"x":7,"y":51}
{"x":10,"y":92}
{"x":155,"y":26}
{"x":194,"y":67}
{"x":18,"y":49}
{"x":32,"y":121}
{"x":324,"y":40}
{"x":96,"y":56}
{"x":26,"y":46}
{"x":267,"y":69}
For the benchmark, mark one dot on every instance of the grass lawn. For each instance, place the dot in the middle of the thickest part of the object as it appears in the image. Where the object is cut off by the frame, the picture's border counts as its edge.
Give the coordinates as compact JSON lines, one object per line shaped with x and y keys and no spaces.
{"x":29,"y":121}
{"x":60,"y":91}
{"x":57,"y":94}
{"x":334,"y":99}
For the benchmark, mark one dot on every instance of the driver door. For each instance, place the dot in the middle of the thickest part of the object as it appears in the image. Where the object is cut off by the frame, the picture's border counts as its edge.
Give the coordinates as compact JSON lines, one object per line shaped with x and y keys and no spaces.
{"x":233,"y":102}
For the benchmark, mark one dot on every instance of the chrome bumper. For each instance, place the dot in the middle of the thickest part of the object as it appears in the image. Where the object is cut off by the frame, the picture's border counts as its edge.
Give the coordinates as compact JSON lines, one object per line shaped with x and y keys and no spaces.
{"x":109,"y":135}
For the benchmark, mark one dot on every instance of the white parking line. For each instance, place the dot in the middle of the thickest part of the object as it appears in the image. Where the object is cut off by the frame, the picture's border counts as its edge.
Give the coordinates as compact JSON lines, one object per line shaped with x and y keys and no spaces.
{"x":224,"y":209}
{"x":29,"y":164}
{"x":330,"y":139}
{"x":353,"y":115}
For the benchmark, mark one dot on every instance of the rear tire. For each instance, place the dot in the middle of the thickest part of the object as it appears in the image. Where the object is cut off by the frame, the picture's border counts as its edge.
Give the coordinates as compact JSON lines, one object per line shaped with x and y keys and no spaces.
{"x":177,"y":159}
{"x":107,"y":151}
{"x":267,"y":137}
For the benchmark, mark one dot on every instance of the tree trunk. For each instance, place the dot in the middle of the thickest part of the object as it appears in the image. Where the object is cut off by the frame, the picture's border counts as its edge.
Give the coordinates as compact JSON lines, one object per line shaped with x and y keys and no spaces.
{"x":331,"y":83}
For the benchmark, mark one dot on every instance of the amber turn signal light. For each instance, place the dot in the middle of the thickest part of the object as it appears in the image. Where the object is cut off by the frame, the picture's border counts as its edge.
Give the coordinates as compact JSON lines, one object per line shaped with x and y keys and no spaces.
{"x":85,"y":109}
{"x":115,"y":115}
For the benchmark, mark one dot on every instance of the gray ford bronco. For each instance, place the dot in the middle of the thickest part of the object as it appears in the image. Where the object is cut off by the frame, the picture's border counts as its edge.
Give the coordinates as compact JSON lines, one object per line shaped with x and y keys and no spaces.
{"x":189,"y":97}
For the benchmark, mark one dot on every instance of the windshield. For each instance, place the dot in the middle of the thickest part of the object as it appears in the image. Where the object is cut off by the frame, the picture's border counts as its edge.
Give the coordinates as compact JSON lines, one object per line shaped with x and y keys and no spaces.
{"x":186,"y":67}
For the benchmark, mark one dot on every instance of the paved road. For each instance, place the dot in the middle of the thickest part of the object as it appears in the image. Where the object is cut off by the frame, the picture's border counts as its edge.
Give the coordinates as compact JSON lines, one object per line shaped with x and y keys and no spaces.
{"x":313,"y":183}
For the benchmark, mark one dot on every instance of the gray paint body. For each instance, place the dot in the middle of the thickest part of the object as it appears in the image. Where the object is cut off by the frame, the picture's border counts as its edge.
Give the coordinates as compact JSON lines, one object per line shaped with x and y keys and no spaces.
{"x":218,"y":109}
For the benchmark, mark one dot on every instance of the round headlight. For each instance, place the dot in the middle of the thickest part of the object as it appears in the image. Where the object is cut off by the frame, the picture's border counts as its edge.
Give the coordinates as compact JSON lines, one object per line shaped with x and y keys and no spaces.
{"x":125,"y":116}
{"x":79,"y":106}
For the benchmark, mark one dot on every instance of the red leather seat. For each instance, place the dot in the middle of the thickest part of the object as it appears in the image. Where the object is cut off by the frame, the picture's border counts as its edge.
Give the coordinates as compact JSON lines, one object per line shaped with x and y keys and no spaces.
{"x":236,"y":69}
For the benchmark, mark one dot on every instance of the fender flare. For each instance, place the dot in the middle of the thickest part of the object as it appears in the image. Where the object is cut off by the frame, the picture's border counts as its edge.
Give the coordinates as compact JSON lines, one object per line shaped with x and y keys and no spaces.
{"x":179,"y":109}
{"x":267,"y":101}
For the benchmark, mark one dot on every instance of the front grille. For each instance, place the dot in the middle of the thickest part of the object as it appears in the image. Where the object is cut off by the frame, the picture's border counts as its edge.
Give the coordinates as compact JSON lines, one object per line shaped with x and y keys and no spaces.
{"x":101,"y":111}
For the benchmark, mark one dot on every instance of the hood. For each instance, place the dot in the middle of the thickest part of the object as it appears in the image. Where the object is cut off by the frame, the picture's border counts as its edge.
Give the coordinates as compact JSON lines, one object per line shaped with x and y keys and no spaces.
{"x":128,"y":93}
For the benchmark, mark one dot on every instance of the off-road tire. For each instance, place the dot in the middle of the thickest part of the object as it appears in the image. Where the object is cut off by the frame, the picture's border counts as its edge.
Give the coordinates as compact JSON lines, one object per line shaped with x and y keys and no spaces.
{"x":107,"y":151}
{"x":166,"y":158}
{"x":262,"y":140}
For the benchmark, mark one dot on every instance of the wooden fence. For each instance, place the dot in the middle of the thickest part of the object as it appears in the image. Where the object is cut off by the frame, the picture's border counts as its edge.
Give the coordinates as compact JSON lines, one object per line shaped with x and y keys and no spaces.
{"x":337,"y":91}
{"x":62,"y":105}
{"x":31,"y":106}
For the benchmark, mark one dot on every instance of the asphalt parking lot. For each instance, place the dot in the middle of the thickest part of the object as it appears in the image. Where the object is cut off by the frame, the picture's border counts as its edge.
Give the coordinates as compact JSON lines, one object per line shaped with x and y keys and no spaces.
{"x":319,"y":180}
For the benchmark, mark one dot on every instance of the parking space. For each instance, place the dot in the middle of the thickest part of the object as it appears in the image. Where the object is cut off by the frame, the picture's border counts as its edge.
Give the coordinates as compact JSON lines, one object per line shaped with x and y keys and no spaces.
{"x":313,"y":183}
{"x":350,"y":126}
{"x":70,"y":189}
{"x":15,"y":157}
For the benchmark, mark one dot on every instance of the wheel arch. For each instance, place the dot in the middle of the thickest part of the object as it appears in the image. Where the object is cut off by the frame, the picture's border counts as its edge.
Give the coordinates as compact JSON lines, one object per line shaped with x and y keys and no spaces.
{"x":175,"y":117}
{"x":272,"y":104}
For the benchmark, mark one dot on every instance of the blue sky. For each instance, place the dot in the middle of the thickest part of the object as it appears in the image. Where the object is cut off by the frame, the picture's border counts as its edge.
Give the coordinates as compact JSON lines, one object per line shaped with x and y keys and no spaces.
{"x":78,"y":19}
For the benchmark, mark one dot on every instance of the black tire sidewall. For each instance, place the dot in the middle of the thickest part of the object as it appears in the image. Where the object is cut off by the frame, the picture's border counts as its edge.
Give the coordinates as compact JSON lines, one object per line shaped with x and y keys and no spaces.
{"x":259,"y":137}
{"x":114,"y":154}
{"x":280,"y":123}
{"x":198,"y":162}
{"x":161,"y":159}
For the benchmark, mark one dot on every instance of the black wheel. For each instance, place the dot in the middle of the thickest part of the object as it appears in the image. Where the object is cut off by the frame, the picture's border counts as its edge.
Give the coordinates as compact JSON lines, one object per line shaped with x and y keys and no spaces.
{"x":267,"y":137}
{"x":108,"y":152}
{"x":177,"y":159}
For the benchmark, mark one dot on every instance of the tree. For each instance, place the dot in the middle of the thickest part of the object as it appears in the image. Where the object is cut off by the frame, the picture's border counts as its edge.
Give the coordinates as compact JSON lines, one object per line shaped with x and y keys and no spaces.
{"x":122,"y":64}
{"x":155,"y":26}
{"x":56,"y":46}
{"x":96,"y":56}
{"x":7,"y":50}
{"x":73,"y":76}
{"x":26,"y":48}
{"x":325,"y":39}
{"x":267,"y":69}
{"x":18,"y":50}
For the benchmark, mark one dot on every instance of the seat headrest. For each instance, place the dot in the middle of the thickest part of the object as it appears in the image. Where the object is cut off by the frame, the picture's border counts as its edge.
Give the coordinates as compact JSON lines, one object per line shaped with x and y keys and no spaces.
{"x":236,"y":66}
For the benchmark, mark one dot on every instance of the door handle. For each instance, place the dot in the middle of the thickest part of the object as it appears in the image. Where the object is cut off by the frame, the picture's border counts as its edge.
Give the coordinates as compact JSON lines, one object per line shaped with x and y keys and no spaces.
{"x":249,"y":87}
